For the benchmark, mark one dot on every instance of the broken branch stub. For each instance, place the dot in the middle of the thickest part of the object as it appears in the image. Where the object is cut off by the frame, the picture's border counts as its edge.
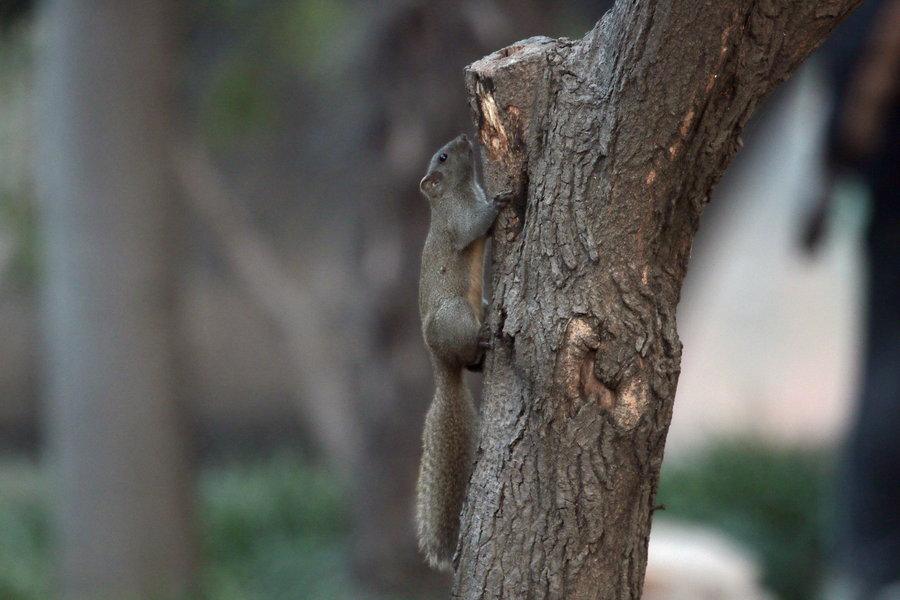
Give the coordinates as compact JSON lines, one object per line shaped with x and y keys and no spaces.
{"x":503,"y":91}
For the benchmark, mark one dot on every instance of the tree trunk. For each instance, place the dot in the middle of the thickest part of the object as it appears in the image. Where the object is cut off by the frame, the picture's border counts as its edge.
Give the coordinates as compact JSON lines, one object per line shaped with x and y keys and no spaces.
{"x":409,"y":86}
{"x":613,"y":144}
{"x":116,"y":437}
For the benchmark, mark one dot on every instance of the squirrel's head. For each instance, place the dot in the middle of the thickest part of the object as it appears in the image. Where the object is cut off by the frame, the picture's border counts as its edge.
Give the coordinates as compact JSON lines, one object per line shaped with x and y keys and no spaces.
{"x":450,"y":166}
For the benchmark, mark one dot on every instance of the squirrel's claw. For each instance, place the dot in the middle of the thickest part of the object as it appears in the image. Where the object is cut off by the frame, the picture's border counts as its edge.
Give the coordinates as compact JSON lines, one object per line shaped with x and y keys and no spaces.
{"x":504,"y":197}
{"x":484,"y":337}
{"x":477,"y":367}
{"x":484,"y":343}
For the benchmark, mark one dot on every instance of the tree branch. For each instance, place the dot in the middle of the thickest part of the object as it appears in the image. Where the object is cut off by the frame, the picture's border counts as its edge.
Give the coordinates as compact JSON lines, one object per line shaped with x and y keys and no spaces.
{"x":315,"y":345}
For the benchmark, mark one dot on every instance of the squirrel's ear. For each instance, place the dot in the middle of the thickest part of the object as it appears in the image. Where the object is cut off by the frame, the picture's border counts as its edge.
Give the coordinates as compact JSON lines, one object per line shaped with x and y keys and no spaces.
{"x":430,"y":183}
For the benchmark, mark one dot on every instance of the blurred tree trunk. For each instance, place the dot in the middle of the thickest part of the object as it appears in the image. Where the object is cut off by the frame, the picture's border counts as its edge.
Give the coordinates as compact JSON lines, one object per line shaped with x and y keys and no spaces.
{"x":613,"y":143}
{"x":116,"y":433}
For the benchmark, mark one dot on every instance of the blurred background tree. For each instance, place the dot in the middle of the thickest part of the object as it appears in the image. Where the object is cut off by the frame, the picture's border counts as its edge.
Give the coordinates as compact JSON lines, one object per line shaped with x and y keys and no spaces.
{"x":116,"y":432}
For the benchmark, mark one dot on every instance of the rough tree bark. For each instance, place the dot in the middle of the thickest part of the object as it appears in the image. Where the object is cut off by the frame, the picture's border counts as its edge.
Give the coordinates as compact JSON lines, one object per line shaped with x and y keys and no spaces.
{"x":613,"y":143}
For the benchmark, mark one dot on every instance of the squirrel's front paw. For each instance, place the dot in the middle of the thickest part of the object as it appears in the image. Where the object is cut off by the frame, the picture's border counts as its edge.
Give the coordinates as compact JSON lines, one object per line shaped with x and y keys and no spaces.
{"x":484,"y":336}
{"x":477,"y":366}
{"x":504,"y":198}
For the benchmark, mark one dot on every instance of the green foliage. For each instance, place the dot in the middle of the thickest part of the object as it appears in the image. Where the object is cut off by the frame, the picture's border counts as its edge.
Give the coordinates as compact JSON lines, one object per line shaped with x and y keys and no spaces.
{"x":773,"y":500}
{"x":18,"y":221}
{"x":278,"y":43}
{"x":18,"y":231}
{"x":277,"y":528}
{"x":306,"y":32}
{"x":237,"y":102}
{"x":24,"y":543}
{"x":273,"y":530}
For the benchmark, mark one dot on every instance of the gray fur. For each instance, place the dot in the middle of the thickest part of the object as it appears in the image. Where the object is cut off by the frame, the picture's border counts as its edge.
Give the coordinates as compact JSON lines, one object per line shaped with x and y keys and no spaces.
{"x":452,"y":309}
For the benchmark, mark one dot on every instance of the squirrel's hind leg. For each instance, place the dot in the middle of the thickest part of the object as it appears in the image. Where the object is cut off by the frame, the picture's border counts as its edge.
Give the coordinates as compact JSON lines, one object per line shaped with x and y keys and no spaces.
{"x":451,"y":332}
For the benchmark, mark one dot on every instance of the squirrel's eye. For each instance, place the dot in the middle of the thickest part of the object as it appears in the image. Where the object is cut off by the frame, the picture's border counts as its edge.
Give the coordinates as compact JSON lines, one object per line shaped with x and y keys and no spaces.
{"x":442,"y":157}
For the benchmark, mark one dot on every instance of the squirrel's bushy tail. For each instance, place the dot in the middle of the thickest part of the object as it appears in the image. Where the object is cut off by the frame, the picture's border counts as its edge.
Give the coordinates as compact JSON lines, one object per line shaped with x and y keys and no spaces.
{"x":448,"y":452}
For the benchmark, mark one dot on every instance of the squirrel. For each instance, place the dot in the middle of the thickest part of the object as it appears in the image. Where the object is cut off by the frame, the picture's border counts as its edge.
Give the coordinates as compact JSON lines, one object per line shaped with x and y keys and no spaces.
{"x":452,"y":310}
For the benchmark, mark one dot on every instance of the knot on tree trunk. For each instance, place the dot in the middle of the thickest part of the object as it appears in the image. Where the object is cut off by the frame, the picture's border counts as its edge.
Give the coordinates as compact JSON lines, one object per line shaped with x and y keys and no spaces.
{"x":590,"y":369}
